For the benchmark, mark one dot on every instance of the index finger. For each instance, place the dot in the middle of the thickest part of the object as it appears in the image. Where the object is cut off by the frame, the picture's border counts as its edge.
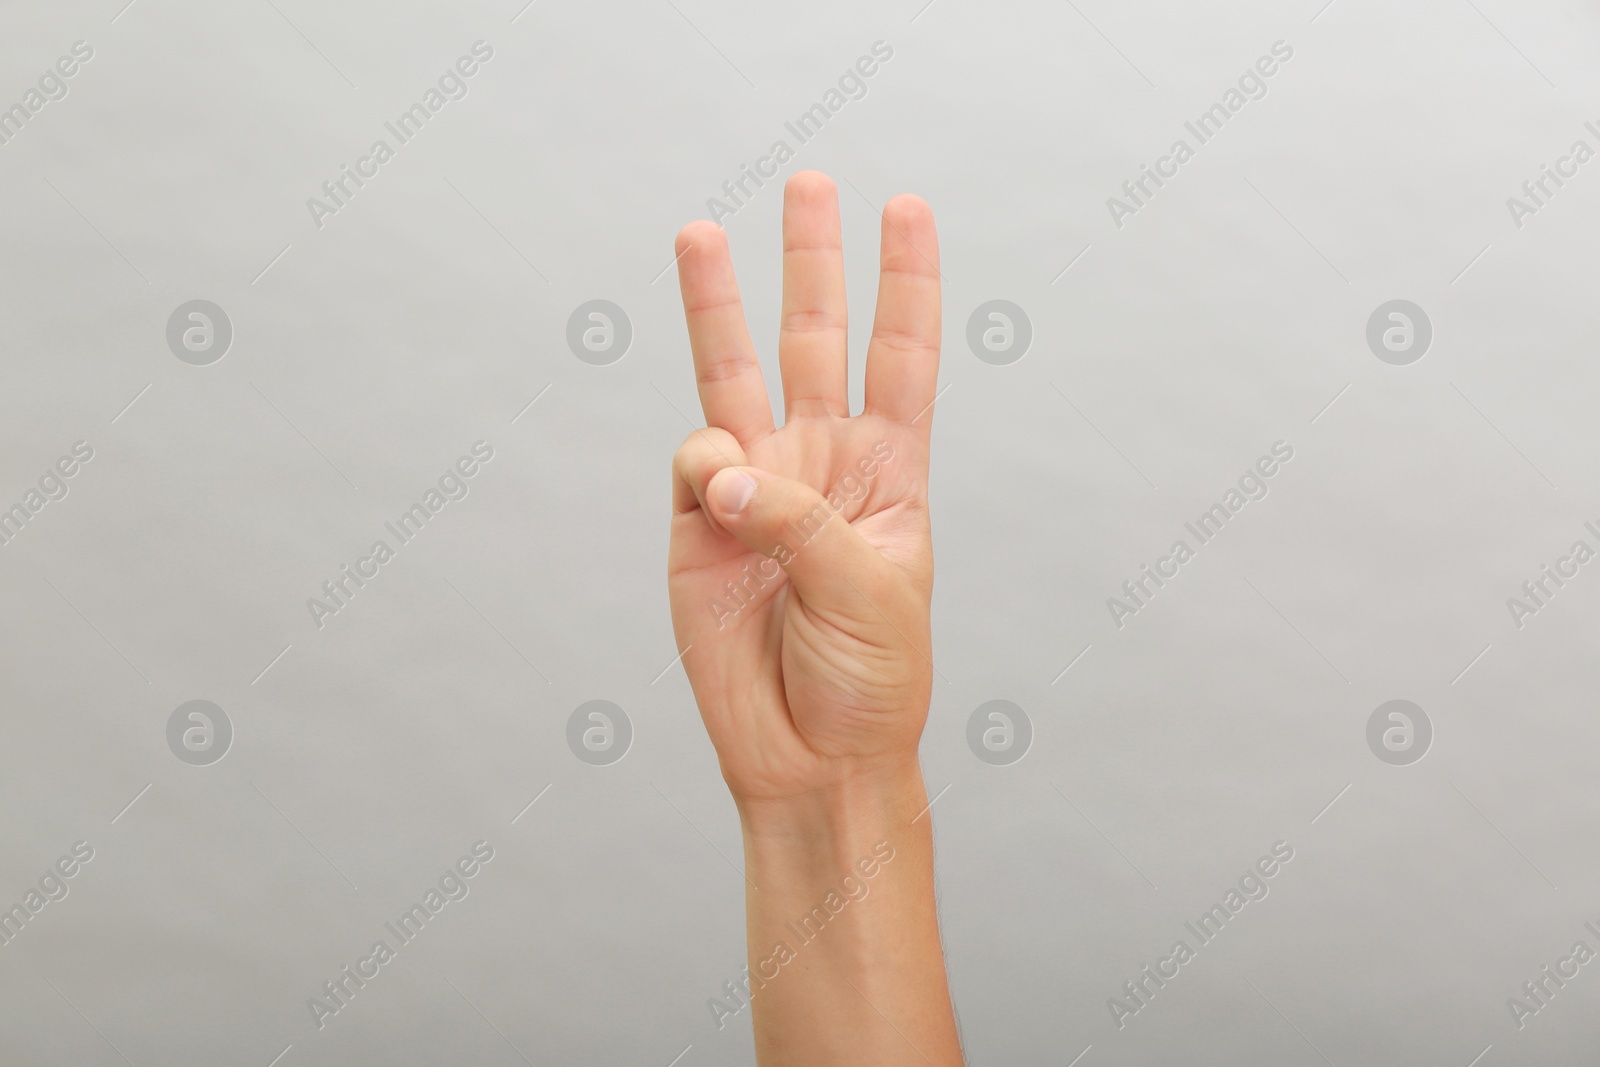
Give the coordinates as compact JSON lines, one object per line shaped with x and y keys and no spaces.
{"x":903,"y":356}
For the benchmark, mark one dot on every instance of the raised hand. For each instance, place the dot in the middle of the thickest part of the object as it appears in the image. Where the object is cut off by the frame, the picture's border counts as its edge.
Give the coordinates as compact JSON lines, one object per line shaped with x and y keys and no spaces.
{"x":801,"y":564}
{"x":800,"y":571}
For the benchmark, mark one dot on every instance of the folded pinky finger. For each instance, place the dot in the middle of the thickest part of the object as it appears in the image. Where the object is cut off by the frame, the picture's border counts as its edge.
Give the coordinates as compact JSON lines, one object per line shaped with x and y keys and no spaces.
{"x":702,"y":454}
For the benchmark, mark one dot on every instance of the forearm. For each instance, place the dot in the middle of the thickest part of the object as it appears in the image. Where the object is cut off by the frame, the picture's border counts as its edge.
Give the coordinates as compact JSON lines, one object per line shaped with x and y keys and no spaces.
{"x":846,"y":965}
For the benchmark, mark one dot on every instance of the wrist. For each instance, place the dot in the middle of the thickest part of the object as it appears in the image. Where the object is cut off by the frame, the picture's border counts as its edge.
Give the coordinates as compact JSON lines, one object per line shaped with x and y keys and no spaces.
{"x":836,"y":822}
{"x":842,"y":882}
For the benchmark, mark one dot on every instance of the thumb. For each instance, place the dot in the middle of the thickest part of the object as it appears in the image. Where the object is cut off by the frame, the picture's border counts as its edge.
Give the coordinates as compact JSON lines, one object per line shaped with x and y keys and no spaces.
{"x":827,"y":560}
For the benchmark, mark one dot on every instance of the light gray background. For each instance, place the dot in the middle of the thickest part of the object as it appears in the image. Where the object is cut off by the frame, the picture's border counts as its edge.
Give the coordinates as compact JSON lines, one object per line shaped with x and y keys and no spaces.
{"x":426,"y":315}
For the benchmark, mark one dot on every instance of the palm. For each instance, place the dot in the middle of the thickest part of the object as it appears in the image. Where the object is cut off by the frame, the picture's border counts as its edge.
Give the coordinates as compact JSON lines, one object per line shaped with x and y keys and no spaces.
{"x":799,"y":673}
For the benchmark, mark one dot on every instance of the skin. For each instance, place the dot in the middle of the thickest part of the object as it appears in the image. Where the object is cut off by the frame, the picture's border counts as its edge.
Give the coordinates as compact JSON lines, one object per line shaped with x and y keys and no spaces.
{"x":813,"y":679}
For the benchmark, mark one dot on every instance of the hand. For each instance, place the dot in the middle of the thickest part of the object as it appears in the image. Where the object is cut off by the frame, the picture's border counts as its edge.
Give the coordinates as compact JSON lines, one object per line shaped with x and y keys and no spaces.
{"x":801,"y":565}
